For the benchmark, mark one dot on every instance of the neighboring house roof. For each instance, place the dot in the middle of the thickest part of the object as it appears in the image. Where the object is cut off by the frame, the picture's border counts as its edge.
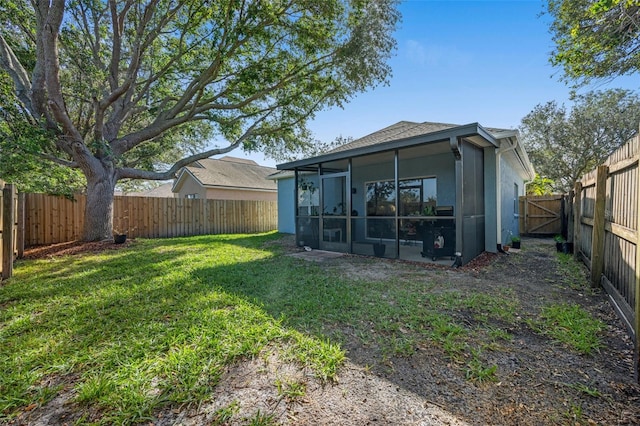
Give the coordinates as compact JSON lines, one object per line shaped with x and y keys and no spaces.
{"x":228,"y":173}
{"x":163,"y":191}
{"x":406,"y":133}
{"x":281,"y":174}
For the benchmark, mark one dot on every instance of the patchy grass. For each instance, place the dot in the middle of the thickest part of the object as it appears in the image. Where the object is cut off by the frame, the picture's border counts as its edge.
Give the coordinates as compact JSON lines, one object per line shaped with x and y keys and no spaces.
{"x":290,"y":389}
{"x":155,"y":324}
{"x":571,"y":325}
{"x":574,"y":273}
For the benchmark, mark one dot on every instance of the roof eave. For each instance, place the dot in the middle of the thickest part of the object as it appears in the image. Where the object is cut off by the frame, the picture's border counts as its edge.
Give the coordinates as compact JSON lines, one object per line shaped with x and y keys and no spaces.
{"x":473,"y":129}
{"x":239,"y":188}
{"x":178,"y":181}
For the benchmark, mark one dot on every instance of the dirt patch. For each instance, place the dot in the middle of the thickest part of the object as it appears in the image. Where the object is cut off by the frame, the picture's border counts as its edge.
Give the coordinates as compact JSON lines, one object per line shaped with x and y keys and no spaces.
{"x":73,"y":248}
{"x":360,"y":398}
{"x":538,"y":382}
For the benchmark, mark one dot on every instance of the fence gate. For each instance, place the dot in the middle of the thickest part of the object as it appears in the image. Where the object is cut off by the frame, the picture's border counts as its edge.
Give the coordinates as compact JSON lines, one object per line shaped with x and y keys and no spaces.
{"x":541,"y":215}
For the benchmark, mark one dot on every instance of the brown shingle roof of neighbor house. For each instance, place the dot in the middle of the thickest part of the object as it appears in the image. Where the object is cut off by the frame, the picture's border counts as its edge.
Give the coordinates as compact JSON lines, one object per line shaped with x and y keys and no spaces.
{"x":163,"y":190}
{"x":231,"y":172}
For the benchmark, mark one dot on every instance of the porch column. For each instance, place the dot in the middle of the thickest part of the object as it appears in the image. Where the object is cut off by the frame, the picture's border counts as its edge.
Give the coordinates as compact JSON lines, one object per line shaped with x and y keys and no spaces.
{"x":454,"y":142}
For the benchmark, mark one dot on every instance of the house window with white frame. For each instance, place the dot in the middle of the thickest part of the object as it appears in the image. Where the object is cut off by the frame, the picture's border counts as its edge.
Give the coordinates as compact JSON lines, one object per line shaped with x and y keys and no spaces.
{"x":191,"y":196}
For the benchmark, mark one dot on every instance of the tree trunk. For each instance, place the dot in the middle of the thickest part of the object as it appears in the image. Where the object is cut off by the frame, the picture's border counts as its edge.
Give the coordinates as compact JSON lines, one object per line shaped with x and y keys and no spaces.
{"x":98,"y":213}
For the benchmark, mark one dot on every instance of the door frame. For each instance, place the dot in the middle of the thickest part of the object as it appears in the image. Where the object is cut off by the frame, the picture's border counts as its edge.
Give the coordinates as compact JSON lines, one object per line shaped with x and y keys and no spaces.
{"x":332,"y":245}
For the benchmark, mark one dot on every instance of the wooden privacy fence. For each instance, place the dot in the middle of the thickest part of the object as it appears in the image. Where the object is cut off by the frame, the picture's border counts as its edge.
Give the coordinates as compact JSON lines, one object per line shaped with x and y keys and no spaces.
{"x":541,"y":215}
{"x":11,"y":243}
{"x":606,"y":235}
{"x":51,"y":219}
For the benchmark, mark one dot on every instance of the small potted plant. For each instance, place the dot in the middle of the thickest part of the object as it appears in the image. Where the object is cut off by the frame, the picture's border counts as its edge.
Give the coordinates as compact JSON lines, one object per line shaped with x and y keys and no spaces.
{"x":380,"y":247}
{"x":515,"y":242}
{"x":118,"y":237}
{"x":508,"y":241}
{"x":559,"y":239}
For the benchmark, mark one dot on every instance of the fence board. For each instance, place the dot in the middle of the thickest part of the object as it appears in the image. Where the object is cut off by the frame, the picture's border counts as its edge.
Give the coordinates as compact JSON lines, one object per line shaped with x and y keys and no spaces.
{"x":618,"y":233}
{"x":52,"y":219}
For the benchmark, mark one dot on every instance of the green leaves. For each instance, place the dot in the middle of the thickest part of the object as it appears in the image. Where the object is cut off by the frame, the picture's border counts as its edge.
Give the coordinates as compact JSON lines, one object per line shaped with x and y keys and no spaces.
{"x":564,"y":144}
{"x":21,"y":144}
{"x":595,"y":39}
{"x":244,"y":71}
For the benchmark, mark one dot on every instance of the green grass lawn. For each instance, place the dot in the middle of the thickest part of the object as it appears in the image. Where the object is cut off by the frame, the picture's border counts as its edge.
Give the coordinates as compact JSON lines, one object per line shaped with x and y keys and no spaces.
{"x":149,"y":325}
{"x":155,"y":324}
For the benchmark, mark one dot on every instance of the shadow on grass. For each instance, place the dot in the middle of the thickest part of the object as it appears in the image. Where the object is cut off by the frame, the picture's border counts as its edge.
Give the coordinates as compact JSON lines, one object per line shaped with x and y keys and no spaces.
{"x":155,"y":324}
{"x":138,"y":328}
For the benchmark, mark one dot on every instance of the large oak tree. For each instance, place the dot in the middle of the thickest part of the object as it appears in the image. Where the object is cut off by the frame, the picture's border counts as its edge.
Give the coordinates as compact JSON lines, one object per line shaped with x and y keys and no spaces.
{"x":131,"y":89}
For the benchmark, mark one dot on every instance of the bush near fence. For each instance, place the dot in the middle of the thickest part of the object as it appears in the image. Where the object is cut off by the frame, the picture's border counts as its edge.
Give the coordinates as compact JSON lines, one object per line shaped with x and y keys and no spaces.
{"x":51,"y":220}
{"x":606,"y":235}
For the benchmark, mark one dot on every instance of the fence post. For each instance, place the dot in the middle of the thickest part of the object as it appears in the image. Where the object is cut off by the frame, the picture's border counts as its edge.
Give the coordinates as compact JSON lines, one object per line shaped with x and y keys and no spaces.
{"x":9,"y":219}
{"x":577,"y":217}
{"x":636,"y":319}
{"x":568,"y":206}
{"x":597,"y":255}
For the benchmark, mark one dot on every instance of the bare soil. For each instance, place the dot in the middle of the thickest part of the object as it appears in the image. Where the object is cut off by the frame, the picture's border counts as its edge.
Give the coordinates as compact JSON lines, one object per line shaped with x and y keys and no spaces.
{"x":539,"y":382}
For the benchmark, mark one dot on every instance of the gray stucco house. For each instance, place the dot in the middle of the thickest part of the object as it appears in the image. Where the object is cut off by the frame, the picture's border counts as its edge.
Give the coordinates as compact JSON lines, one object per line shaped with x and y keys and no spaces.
{"x":414,"y":191}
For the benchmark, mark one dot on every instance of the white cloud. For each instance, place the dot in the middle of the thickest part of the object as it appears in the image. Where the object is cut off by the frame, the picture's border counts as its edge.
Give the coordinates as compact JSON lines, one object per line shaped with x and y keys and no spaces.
{"x":435,"y":55}
{"x":416,"y":52}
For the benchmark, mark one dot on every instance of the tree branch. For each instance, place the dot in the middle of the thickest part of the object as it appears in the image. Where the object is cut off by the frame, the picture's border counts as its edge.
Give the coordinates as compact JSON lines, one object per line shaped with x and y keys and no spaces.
{"x":10,"y":63}
{"x":67,"y":163}
{"x":129,"y":173}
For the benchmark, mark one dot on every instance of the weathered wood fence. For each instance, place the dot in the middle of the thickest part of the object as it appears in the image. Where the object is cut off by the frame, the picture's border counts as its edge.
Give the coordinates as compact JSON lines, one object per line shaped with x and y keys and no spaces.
{"x":51,"y":219}
{"x":606,"y":235}
{"x":11,"y":237}
{"x":542,"y":215}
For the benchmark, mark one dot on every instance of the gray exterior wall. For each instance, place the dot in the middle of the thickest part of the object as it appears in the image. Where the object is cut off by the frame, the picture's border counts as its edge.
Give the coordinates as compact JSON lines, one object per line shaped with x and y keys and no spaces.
{"x":509,"y":224}
{"x":490,"y":200}
{"x":286,"y":206}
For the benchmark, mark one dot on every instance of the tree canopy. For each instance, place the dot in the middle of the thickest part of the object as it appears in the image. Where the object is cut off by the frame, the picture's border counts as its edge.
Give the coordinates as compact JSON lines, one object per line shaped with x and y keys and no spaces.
{"x":595,"y":39}
{"x":138,"y":89}
{"x":564,"y":144}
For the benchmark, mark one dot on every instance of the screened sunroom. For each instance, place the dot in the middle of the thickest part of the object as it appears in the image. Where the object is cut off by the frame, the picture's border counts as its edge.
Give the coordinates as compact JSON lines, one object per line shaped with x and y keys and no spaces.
{"x":421,"y":192}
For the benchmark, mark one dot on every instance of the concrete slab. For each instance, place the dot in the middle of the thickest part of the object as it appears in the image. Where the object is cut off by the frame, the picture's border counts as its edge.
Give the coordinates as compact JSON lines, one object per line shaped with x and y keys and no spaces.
{"x":316,"y":255}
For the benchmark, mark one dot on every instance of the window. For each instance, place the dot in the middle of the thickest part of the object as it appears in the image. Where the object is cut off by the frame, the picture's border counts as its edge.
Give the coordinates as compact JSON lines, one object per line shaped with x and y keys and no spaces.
{"x":381,"y":198}
{"x":418,"y":197}
{"x":191,"y":196}
{"x":515,"y":199}
{"x":308,"y":195}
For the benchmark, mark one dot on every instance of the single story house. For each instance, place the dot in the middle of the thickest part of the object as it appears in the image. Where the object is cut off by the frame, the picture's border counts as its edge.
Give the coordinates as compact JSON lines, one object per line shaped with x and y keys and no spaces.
{"x":160,"y":191}
{"x":414,"y":191}
{"x":227,"y":178}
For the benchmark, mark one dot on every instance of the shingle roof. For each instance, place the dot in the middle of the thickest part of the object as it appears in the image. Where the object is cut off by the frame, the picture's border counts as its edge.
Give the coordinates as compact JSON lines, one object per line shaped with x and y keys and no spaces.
{"x":163,"y":191}
{"x":233,"y":172}
{"x":400,"y":130}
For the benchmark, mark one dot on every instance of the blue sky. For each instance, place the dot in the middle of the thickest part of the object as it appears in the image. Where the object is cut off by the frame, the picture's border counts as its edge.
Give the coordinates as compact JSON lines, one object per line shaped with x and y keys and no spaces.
{"x":459,"y":62}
